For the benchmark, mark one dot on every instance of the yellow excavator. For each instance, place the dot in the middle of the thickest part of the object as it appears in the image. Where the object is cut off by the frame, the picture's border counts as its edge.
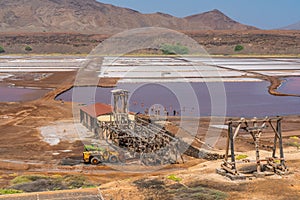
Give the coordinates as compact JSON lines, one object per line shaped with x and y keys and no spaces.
{"x":94,"y":155}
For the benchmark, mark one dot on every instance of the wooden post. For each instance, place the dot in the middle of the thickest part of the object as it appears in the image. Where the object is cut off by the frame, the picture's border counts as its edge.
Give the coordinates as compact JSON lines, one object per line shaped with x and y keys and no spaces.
{"x":280,"y":141}
{"x":81,"y":116}
{"x":232,"y":147}
{"x":228,"y":140}
{"x":256,"y":141}
{"x":275,"y":141}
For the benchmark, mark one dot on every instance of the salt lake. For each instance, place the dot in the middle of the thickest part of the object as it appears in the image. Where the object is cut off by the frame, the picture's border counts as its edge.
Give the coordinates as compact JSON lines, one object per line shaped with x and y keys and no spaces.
{"x":248,"y":99}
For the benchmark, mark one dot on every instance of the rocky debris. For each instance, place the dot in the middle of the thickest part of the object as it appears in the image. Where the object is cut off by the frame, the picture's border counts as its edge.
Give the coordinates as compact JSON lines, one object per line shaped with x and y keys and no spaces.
{"x":70,"y":161}
{"x":199,"y":153}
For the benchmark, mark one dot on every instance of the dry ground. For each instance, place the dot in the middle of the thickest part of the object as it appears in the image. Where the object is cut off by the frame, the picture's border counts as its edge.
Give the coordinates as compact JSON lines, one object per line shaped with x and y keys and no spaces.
{"x":23,"y":152}
{"x":255,"y":42}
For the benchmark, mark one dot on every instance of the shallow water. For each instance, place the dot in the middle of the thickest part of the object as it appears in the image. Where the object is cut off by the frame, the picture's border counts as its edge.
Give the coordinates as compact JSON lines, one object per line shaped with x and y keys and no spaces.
{"x":290,"y":86}
{"x":248,"y":99}
{"x":15,"y":94}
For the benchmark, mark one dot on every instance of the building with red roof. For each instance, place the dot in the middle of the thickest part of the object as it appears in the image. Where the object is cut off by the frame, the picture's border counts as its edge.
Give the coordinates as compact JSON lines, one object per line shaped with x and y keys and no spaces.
{"x":89,"y":114}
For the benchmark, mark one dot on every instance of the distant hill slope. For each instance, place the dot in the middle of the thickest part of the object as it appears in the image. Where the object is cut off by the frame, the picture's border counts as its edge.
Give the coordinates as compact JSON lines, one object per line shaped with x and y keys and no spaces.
{"x":295,"y":26}
{"x":215,"y":20}
{"x":90,"y":16}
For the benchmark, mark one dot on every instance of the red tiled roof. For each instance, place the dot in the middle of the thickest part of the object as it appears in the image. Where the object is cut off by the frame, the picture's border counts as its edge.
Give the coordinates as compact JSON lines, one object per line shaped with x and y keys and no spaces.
{"x":97,"y":109}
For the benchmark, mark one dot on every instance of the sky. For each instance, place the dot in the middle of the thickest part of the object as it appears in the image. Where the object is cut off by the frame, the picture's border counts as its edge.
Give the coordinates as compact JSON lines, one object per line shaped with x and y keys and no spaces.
{"x":264,"y":14}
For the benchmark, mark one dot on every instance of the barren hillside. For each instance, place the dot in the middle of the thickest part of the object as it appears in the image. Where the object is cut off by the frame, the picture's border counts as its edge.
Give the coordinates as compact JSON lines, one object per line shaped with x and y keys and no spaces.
{"x":215,"y":20}
{"x":90,"y":16}
{"x":295,"y":26}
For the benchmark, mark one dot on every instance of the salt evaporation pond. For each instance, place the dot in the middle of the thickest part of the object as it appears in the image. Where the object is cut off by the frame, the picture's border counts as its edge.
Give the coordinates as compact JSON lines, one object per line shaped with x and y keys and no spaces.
{"x":290,"y":86}
{"x":246,"y":99}
{"x":16,"y":94}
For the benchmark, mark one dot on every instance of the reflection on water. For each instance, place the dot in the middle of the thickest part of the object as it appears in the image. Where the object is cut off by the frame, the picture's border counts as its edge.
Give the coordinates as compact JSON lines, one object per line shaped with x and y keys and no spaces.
{"x":13,"y":94}
{"x":246,"y":99}
{"x":290,"y":86}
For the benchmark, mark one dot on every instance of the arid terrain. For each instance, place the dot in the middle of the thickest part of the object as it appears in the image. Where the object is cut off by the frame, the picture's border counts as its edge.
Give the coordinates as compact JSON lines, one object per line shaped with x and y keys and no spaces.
{"x":223,"y":42}
{"x":40,"y":149}
{"x":23,"y":152}
{"x":76,"y":27}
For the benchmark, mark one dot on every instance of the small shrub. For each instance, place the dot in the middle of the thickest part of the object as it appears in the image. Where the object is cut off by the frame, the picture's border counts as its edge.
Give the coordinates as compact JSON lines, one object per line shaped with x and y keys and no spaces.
{"x":177,"y":49}
{"x":9,"y":191}
{"x":294,"y":144}
{"x":89,"y":186}
{"x":174,"y":178}
{"x":37,"y":183}
{"x":27,"y":179}
{"x":238,"y":48}
{"x":73,"y":181}
{"x":294,"y":138}
{"x":2,"y":49}
{"x":20,"y":180}
{"x":241,"y":157}
{"x":57,"y":176}
{"x":28,"y":48}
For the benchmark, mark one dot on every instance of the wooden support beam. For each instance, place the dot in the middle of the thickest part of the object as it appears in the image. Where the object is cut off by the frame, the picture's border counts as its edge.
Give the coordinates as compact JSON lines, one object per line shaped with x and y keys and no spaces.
{"x":237,"y":130}
{"x":282,"y":162}
{"x":275,"y":140}
{"x":228,"y":141}
{"x":275,"y":130}
{"x":266,"y":119}
{"x":256,"y":142}
{"x":232,"y":148}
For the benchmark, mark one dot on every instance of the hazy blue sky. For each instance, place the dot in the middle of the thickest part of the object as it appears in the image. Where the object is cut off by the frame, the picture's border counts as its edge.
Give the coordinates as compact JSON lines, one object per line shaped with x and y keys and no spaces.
{"x":266,"y":14}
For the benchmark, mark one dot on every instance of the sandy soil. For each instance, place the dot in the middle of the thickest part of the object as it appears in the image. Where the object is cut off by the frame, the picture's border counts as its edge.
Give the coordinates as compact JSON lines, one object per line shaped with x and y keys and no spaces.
{"x":24,"y":152}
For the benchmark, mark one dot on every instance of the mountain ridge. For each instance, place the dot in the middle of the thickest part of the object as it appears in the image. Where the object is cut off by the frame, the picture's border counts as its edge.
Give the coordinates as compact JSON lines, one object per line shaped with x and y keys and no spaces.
{"x":295,"y":26}
{"x":91,"y":16}
{"x":215,"y":19}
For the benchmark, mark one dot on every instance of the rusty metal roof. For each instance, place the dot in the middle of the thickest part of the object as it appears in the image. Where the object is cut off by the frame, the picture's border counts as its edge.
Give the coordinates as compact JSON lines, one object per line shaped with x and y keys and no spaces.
{"x":97,"y":109}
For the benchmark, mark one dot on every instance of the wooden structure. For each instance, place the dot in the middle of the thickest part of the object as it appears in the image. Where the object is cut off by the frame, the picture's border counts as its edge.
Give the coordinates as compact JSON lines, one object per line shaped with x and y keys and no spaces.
{"x":143,"y":140}
{"x":120,"y":107}
{"x":254,"y":127}
{"x":148,"y":142}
